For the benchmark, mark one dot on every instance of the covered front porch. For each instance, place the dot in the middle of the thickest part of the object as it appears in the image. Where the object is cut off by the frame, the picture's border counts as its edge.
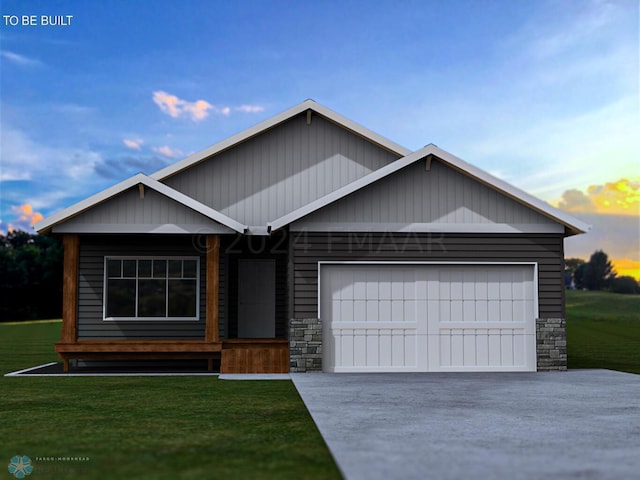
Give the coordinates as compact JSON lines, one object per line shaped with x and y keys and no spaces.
{"x":249,"y":338}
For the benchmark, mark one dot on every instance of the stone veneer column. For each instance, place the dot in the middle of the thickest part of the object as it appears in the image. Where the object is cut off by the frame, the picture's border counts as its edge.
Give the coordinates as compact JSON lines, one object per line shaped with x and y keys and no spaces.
{"x":305,"y":345}
{"x":551,"y":344}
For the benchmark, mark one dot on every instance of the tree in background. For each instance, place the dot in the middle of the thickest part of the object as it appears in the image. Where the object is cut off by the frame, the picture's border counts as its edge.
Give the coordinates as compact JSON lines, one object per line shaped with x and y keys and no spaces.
{"x":624,"y":284}
{"x":598,"y":272}
{"x":30,"y":276}
{"x":571,"y":265}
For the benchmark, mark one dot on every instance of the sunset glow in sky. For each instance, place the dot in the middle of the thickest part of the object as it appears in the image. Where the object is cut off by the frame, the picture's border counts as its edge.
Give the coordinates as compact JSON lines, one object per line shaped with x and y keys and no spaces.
{"x":543,"y":94}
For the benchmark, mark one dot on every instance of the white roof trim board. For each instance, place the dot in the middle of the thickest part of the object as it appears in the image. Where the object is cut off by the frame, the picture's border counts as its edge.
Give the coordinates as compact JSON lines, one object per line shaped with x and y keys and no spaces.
{"x":272,"y":122}
{"x":138,"y":179}
{"x":573,"y":224}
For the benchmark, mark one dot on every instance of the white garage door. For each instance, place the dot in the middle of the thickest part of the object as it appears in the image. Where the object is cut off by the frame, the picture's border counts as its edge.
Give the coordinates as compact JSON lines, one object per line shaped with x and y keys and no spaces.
{"x":426,"y":317}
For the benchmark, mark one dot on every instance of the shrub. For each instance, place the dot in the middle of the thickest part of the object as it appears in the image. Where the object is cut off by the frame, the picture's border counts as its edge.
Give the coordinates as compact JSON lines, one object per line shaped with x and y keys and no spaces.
{"x":624,"y":284}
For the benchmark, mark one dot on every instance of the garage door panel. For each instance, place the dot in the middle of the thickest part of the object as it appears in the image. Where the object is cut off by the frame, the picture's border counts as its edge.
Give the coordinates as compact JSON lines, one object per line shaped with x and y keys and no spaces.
{"x":359,"y":289}
{"x":469,"y":355}
{"x":384,"y":347}
{"x":482,"y":347}
{"x":346,"y":343}
{"x":360,"y":348}
{"x":482,"y":310}
{"x":469,"y":310}
{"x":373,"y":311}
{"x":518,"y":349}
{"x":506,"y":348}
{"x":346,"y":311}
{"x":495,"y":356}
{"x":373,"y":348}
{"x":494,"y":310}
{"x":428,"y":317}
{"x":385,"y":311}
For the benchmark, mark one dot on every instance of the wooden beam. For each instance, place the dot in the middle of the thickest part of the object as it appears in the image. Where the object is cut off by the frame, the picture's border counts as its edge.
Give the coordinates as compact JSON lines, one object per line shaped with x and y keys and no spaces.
{"x":141,"y":190}
{"x":70,"y":287}
{"x":212,"y":330}
{"x":309,"y":117}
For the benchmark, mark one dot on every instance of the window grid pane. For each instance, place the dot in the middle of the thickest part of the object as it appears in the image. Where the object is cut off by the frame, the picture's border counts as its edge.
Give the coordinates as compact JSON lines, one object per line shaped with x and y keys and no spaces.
{"x":150,"y":288}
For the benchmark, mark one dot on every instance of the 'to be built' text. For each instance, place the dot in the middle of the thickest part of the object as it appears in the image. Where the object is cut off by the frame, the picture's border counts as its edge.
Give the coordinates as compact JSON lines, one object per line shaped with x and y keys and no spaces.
{"x":37,"y":20}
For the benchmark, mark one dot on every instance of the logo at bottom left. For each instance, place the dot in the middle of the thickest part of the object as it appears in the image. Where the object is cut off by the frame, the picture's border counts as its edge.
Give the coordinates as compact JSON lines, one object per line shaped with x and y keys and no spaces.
{"x":20,"y":466}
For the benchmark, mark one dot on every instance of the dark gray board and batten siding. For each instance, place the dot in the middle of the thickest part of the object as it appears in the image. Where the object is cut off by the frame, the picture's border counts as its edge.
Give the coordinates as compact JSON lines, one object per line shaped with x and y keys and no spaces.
{"x":93,"y":250}
{"x":311,"y":247}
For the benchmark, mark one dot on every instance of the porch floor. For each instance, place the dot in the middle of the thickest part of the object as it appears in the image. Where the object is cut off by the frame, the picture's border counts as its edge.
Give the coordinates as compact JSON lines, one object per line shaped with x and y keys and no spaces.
{"x":234,"y":355}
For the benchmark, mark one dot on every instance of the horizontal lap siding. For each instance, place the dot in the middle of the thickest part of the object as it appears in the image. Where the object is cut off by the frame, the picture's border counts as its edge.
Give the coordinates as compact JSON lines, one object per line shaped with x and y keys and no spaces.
{"x":91,"y":279}
{"x":546,"y":250}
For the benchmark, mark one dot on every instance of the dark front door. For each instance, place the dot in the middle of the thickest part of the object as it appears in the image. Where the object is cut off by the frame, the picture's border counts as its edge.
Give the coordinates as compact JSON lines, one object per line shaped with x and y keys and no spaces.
{"x":256,"y":298}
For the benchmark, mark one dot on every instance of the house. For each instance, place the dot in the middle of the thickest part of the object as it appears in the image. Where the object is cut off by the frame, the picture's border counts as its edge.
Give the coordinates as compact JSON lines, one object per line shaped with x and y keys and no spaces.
{"x":307,"y":243}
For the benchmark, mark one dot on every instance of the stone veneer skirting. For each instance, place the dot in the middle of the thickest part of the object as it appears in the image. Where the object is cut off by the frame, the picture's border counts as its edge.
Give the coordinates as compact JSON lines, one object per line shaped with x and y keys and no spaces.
{"x":305,"y":345}
{"x":551,"y":344}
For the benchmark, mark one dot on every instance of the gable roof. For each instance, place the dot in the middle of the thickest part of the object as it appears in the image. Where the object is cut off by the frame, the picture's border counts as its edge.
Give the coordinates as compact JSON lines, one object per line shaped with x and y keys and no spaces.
{"x":48,"y":223}
{"x":573,"y":225}
{"x":307,"y":105}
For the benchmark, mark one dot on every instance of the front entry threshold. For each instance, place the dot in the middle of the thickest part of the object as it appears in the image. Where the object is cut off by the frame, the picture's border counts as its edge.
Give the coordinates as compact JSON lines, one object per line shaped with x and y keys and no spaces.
{"x":255,"y":355}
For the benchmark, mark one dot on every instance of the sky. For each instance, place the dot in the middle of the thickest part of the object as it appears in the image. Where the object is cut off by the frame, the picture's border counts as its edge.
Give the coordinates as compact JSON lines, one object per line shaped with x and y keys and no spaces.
{"x":543,"y":94}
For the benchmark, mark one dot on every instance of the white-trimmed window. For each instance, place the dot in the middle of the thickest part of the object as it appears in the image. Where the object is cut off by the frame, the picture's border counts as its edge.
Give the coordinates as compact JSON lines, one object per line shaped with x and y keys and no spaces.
{"x":151,"y":288}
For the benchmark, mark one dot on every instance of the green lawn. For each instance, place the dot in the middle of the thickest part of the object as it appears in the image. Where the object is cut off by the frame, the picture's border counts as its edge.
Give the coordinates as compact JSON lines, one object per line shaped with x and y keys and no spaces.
{"x":202,"y":427}
{"x":603,"y":331}
{"x":150,"y":427}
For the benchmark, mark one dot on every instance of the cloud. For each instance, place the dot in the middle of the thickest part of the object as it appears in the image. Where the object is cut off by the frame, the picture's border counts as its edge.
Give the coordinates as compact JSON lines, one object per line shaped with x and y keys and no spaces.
{"x":24,"y":159}
{"x":20,"y":59}
{"x":49,"y":176}
{"x":199,"y":110}
{"x":176,"y":107}
{"x":250,"y":108}
{"x":616,"y":198}
{"x":588,"y":24}
{"x":616,"y":235}
{"x":133,"y":144}
{"x":26,"y":218}
{"x":167,"y":151}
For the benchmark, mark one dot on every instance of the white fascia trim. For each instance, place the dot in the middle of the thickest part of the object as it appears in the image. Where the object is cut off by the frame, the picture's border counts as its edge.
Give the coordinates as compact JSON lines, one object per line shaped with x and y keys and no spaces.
{"x":347,"y":189}
{"x":139,"y":178}
{"x":166,"y":228}
{"x":426,"y":227}
{"x":272,"y":122}
{"x":195,"y":205}
{"x":575,"y":225}
{"x":355,"y":127}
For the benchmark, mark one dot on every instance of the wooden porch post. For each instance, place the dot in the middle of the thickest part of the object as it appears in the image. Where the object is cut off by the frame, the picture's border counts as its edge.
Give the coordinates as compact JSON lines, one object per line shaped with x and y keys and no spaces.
{"x":70,"y":288}
{"x":212,"y":331}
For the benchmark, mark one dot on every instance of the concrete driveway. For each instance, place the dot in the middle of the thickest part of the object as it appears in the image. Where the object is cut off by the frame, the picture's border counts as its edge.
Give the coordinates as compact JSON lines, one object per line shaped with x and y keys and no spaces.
{"x":579,"y":424}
